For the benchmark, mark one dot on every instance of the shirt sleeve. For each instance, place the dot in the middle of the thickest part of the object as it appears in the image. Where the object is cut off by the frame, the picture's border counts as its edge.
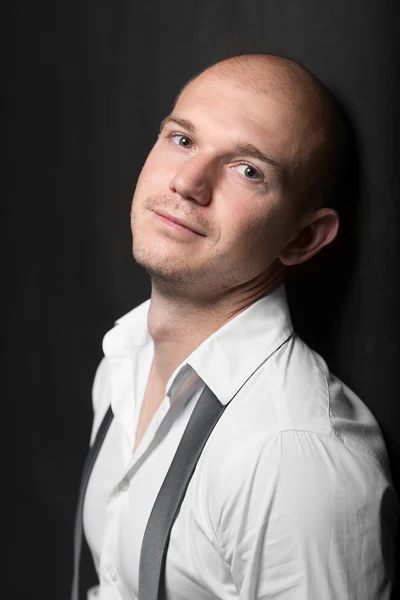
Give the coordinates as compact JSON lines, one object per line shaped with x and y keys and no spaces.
{"x":304,"y":517}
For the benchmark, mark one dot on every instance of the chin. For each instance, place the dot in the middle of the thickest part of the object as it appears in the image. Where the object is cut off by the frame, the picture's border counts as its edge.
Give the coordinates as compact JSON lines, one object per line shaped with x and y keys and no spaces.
{"x":171,"y":274}
{"x":157,"y":261}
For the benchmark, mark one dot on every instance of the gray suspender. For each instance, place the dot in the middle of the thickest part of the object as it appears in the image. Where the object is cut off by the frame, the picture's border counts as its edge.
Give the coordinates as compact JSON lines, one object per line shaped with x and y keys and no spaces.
{"x":204,"y":417}
{"x":87,"y":469}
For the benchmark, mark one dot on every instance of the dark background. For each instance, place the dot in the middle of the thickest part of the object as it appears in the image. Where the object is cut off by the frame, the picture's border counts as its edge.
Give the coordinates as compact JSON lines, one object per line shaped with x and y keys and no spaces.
{"x":86,"y":86}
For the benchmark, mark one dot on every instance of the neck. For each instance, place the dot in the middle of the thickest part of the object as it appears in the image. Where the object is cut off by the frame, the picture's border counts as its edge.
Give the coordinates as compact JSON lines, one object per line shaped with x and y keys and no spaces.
{"x":178,"y":325}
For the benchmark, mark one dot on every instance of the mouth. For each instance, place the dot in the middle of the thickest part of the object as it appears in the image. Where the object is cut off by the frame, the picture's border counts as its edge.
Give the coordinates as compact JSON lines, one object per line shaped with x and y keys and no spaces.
{"x":177,"y":222}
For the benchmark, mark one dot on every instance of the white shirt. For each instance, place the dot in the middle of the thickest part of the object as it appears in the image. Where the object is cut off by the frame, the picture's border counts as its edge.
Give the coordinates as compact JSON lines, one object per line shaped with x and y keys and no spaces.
{"x":291,"y":498}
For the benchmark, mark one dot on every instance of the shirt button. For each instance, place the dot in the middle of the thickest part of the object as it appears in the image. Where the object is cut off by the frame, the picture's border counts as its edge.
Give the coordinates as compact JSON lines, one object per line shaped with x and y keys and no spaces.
{"x":113,"y":574}
{"x":124,"y":485}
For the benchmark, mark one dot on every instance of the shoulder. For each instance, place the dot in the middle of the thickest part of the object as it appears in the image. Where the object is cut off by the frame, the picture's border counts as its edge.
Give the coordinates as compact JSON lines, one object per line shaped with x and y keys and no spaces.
{"x":300,"y":481}
{"x":294,"y":404}
{"x":304,"y":461}
{"x":301,"y":438}
{"x":101,"y":395}
{"x":309,"y":397}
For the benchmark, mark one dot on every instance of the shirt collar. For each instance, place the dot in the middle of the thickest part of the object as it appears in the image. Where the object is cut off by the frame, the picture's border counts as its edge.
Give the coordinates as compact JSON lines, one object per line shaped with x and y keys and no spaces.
{"x":130,"y":331}
{"x":229,"y":356}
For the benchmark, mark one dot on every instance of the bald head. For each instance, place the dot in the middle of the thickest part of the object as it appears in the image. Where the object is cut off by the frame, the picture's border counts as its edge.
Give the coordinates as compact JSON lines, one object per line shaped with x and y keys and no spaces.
{"x":319,"y":161}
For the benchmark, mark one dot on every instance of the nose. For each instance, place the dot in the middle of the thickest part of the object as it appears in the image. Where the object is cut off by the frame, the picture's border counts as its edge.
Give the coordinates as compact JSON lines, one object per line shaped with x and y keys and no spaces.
{"x":193,"y":180}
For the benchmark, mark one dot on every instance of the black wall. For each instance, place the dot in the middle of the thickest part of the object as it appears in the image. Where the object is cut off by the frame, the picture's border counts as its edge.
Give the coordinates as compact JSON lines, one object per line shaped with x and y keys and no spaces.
{"x":86,"y":86}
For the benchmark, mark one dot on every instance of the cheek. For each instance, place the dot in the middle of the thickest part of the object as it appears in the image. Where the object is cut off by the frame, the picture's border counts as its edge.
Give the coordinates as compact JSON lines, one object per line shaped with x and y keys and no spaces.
{"x":152,"y":171}
{"x":243,"y":215}
{"x":145,"y":178}
{"x":240,"y":230}
{"x":252,"y":231}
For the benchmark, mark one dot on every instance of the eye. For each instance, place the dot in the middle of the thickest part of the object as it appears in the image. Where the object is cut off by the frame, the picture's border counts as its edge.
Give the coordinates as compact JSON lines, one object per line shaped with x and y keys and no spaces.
{"x":251,"y":172}
{"x":183,"y":142}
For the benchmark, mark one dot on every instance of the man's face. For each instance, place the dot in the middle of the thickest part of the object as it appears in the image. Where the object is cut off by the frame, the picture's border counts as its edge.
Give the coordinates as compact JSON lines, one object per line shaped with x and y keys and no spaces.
{"x":200,"y":170}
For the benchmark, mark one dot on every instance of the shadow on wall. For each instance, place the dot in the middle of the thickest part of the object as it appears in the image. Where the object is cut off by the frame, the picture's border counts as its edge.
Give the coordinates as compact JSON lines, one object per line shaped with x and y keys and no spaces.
{"x":318,"y":289}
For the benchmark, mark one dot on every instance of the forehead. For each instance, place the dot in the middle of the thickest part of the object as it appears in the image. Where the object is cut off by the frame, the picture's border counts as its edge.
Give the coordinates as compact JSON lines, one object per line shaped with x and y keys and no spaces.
{"x":219,"y":106}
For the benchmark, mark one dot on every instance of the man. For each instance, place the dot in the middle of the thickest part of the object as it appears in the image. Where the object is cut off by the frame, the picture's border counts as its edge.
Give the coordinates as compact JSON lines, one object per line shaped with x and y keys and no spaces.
{"x":291,"y":497}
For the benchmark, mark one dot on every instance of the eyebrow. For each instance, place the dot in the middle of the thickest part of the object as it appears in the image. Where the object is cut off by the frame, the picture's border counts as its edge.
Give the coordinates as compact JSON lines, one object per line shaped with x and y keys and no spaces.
{"x":240,"y":148}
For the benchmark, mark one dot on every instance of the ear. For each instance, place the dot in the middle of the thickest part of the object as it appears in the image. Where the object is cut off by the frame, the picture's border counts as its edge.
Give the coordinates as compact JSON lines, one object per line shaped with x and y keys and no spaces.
{"x":315,"y":231}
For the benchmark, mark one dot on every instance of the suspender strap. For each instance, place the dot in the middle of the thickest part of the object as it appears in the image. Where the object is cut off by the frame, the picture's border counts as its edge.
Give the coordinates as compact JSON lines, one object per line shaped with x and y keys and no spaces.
{"x":87,"y":469}
{"x":204,"y":417}
{"x":202,"y":421}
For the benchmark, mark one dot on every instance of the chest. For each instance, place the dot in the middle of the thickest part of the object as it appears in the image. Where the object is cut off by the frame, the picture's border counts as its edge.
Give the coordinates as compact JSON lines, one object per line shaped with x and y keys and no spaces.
{"x":152,"y":400}
{"x":117,"y":508}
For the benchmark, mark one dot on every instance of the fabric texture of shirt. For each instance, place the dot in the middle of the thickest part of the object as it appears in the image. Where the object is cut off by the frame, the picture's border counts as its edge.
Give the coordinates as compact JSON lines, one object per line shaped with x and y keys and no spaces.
{"x":291,"y":498}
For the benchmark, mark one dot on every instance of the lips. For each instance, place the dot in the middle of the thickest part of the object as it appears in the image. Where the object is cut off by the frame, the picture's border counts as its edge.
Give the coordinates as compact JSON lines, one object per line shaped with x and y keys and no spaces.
{"x":179,"y":221}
